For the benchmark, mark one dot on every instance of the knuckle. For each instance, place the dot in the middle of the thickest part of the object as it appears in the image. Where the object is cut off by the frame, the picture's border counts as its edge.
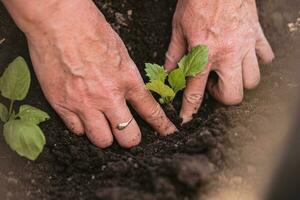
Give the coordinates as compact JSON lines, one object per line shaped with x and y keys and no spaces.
{"x":229,"y":47}
{"x":155,"y":112}
{"x":159,"y":120}
{"x":135,"y":82}
{"x":193,"y":41}
{"x":68,"y":103}
{"x":72,"y":124}
{"x":193,"y":98}
{"x":113,"y":102}
{"x":138,"y":92}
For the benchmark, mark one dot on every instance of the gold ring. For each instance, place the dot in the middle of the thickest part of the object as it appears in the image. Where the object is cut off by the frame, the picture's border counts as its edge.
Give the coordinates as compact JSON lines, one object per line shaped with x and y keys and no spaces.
{"x":124,"y":125}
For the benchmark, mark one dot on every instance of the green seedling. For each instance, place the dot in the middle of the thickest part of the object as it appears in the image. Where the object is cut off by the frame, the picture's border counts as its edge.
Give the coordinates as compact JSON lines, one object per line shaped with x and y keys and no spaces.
{"x":190,"y":65}
{"x":21,"y":131}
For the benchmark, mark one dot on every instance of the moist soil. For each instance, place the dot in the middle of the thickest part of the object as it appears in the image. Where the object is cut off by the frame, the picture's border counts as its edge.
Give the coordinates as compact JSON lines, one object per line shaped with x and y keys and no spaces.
{"x":174,"y":167}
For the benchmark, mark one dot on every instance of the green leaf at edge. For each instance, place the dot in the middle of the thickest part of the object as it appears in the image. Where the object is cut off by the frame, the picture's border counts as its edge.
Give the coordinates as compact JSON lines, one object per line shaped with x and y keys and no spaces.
{"x":12,"y":116}
{"x":15,"y":80}
{"x":32,"y":114}
{"x":3,"y":113}
{"x":177,"y":80}
{"x":195,"y":61}
{"x":155,"y":72}
{"x":160,"y":88}
{"x":26,"y":138}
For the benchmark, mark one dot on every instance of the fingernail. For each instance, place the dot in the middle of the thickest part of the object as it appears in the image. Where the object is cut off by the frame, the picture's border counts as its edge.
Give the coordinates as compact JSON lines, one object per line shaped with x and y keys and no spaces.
{"x":171,"y":130}
{"x":186,"y":119}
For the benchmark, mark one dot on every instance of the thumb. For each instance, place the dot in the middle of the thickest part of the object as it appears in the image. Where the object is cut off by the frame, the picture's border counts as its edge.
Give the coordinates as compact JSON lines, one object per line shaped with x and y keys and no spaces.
{"x":176,"y":51}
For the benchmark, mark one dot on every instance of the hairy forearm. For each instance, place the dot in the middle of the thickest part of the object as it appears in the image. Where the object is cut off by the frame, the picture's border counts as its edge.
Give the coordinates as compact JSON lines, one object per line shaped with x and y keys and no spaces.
{"x":26,"y":13}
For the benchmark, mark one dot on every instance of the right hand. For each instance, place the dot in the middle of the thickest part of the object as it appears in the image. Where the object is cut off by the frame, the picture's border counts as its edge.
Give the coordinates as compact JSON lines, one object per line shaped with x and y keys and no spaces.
{"x":232,"y":31}
{"x":87,"y":75}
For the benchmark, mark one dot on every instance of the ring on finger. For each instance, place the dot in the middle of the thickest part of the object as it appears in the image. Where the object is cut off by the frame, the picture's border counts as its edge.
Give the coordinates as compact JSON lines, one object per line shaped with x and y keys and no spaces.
{"x":124,"y":125}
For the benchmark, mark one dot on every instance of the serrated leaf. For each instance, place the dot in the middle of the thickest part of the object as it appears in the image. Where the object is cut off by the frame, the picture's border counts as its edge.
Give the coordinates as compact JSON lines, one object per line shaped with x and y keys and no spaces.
{"x":26,"y":138}
{"x":160,"y":88}
{"x":177,"y":80}
{"x":32,"y":114}
{"x":155,"y":72}
{"x":15,"y":80}
{"x":195,"y":62}
{"x":182,"y":64}
{"x":3,"y":113}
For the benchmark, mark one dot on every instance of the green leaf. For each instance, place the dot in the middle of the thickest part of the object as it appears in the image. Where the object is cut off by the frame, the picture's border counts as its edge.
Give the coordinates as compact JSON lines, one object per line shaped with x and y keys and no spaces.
{"x":12,"y":116}
{"x":15,"y":80}
{"x":3,"y":113}
{"x":32,"y":114}
{"x":195,"y":62}
{"x":155,"y":72}
{"x":26,"y":138}
{"x":160,"y":88}
{"x":177,"y":80}
{"x":162,"y":101}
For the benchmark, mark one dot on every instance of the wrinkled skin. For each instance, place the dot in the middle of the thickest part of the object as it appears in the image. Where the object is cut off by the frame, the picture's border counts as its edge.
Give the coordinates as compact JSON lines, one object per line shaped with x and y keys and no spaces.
{"x":87,"y":75}
{"x":234,"y":36}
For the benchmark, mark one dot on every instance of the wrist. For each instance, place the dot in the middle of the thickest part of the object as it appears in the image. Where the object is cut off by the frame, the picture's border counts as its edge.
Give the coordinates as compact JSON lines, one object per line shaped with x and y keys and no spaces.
{"x":39,"y":17}
{"x":28,"y":14}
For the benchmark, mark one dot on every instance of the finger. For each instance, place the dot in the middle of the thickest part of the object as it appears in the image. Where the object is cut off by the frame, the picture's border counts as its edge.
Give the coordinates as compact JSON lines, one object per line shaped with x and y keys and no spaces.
{"x":263,"y":48}
{"x":229,"y":87}
{"x":97,"y":128}
{"x":194,"y":92}
{"x":251,"y":73}
{"x":143,"y":102}
{"x":176,"y":51}
{"x":72,"y":121}
{"x":193,"y":96}
{"x":131,"y":135}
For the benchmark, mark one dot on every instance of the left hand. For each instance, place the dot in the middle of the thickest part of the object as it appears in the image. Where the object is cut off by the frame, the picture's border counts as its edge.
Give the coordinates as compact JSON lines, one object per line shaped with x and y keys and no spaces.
{"x":85,"y":71}
{"x":233,"y":34}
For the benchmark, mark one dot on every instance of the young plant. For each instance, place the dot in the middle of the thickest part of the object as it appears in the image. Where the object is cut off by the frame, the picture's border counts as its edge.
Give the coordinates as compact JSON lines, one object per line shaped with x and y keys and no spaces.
{"x":190,"y":65}
{"x":20,"y":130}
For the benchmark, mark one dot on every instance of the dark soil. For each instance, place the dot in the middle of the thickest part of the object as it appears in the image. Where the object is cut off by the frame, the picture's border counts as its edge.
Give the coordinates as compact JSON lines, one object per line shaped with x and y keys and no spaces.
{"x":159,"y":168}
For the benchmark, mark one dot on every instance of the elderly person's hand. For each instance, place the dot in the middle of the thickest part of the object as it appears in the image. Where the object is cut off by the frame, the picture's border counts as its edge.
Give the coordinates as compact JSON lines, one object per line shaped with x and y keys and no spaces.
{"x":85,"y":71}
{"x":233,"y":34}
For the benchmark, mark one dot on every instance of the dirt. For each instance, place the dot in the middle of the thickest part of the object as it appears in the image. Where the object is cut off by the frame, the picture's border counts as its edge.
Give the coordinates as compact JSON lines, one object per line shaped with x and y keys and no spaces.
{"x":193,"y":163}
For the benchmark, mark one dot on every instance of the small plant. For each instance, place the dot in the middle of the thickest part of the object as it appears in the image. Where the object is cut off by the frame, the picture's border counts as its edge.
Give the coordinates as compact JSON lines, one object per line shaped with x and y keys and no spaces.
{"x":190,"y":65}
{"x":21,"y":131}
